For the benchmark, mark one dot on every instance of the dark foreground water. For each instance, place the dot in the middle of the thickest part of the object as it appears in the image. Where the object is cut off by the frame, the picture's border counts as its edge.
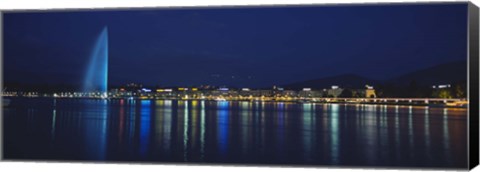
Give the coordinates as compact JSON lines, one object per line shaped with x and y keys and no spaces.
{"x":234,"y":132}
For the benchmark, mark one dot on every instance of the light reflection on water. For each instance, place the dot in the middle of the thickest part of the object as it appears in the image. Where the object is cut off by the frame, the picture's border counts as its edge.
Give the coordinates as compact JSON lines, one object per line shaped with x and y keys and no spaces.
{"x":427,"y":133}
{"x":144,"y":126}
{"x":247,"y":132}
{"x":371,"y":134}
{"x":223,"y":126}
{"x":335,"y":132}
{"x":245,"y":114}
{"x":410,"y":132}
{"x":446,"y":136}
{"x":202,"y":132}
{"x":185,"y":130}
{"x":54,"y":118}
{"x":307,"y":128}
{"x":397,"y":132}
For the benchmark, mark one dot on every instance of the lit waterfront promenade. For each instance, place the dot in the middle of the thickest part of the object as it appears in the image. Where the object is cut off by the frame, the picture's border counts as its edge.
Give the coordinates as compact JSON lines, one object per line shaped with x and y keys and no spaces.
{"x":448,"y":102}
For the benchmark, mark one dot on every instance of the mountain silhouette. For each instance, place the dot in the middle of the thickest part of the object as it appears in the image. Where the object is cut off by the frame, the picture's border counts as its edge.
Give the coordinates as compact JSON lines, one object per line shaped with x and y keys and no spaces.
{"x":447,"y":73}
{"x":344,"y":81}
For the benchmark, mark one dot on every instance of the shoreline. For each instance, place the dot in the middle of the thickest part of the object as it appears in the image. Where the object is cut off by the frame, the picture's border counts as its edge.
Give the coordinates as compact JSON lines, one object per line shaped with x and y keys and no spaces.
{"x":462,"y":104}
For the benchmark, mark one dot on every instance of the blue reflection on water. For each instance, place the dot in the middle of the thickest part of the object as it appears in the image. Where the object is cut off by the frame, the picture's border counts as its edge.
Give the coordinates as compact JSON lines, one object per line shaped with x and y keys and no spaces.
{"x":144,"y":126}
{"x":96,"y":131}
{"x":222,"y":127}
{"x":281,"y":105}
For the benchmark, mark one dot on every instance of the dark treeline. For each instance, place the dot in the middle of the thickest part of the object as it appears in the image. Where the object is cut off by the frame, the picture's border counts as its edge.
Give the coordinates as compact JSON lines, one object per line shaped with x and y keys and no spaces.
{"x":415,"y":90}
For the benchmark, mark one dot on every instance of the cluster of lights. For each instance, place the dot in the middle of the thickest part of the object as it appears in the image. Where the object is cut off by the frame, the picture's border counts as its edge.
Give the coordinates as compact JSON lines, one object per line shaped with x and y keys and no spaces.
{"x":191,"y":93}
{"x":223,"y":89}
{"x":442,"y":86}
{"x":164,"y":90}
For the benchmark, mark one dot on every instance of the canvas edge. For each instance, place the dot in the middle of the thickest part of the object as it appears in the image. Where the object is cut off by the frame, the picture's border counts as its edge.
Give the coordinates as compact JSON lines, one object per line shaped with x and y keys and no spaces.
{"x":276,"y":5}
{"x":1,"y":84}
{"x":473,"y":83}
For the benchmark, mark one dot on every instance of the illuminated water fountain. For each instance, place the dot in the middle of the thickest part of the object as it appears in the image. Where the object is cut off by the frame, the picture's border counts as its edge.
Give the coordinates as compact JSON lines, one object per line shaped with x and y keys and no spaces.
{"x":96,"y":77}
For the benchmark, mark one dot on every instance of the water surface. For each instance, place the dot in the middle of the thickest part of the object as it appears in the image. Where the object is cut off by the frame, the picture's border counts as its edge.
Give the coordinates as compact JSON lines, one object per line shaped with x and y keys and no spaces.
{"x":235,"y":132}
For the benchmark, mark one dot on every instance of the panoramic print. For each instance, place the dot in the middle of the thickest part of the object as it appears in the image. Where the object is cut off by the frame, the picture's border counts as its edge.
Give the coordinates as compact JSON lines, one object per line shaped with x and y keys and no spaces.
{"x":337,"y":85}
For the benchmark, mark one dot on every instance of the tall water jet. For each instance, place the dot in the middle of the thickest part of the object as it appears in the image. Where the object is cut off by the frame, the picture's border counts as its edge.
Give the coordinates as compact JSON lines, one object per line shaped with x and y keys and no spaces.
{"x":96,"y":78}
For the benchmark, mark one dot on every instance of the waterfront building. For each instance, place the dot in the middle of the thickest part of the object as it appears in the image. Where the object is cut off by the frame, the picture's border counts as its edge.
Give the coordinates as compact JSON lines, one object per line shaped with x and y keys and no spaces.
{"x":309,"y":93}
{"x":334,"y":91}
{"x":245,"y":92}
{"x":287,"y":93}
{"x":370,"y":92}
{"x":260,"y":93}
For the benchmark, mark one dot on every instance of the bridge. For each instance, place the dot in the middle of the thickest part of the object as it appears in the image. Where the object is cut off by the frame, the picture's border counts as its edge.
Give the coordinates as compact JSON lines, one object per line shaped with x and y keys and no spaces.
{"x":416,"y":101}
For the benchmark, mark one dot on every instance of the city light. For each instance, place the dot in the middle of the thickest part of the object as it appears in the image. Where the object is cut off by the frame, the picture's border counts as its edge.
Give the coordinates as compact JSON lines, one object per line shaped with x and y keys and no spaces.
{"x":305,"y":95}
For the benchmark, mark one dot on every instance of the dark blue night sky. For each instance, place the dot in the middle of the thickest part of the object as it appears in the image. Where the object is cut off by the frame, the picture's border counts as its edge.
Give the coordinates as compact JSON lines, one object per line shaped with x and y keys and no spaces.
{"x":255,"y":46}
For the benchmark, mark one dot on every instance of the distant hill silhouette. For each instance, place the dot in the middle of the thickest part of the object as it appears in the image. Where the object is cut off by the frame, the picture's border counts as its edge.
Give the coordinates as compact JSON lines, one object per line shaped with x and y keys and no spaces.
{"x":345,"y":81}
{"x":448,"y":73}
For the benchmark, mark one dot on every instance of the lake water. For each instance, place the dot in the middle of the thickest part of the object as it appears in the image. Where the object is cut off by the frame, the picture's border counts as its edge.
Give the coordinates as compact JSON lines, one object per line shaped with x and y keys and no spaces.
{"x":234,"y":132}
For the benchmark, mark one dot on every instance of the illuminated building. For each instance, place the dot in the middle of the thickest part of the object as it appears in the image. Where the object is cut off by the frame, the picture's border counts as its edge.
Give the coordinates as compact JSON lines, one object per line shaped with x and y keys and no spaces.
{"x":335,"y":91}
{"x":370,"y":92}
